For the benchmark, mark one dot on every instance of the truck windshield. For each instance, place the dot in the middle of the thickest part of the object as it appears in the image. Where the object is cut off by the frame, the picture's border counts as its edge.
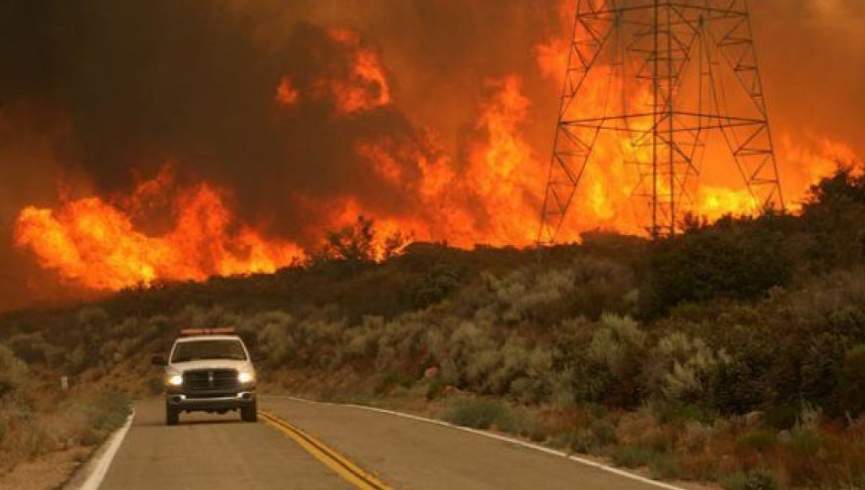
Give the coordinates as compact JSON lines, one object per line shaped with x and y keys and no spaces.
{"x":208,"y":349}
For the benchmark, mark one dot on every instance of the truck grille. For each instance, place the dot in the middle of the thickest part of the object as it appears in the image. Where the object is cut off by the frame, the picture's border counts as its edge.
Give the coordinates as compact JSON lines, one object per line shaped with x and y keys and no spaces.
{"x":210,"y":379}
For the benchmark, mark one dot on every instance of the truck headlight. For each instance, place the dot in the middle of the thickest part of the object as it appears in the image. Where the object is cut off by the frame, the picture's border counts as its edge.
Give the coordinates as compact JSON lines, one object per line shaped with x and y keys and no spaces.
{"x":175,"y":380}
{"x":245,"y":377}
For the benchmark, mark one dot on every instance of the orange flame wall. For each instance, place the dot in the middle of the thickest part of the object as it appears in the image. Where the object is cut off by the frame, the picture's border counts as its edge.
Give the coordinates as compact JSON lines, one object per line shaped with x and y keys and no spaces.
{"x":312,"y":116}
{"x":94,"y":242}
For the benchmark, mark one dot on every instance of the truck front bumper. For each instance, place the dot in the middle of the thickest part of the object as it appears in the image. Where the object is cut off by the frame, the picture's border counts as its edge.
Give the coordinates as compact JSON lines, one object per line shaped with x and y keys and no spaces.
{"x":197,"y":402}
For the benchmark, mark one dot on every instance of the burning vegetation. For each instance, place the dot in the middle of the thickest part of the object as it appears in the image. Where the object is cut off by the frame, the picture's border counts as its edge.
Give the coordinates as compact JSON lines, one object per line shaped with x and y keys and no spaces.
{"x":95,"y":241}
{"x":733,"y":352}
{"x":297,"y":120}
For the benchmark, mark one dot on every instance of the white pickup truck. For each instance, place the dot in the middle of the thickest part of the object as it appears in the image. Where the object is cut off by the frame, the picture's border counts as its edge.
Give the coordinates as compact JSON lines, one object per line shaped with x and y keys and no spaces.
{"x":208,"y":370}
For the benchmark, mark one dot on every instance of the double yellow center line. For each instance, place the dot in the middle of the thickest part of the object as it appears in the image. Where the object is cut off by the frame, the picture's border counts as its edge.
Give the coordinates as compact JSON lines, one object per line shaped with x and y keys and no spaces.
{"x":346,"y":469}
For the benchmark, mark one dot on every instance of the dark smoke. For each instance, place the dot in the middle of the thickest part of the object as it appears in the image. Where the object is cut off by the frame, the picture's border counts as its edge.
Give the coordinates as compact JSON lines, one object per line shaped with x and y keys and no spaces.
{"x":190,"y":81}
{"x":92,"y":89}
{"x":812,"y":56}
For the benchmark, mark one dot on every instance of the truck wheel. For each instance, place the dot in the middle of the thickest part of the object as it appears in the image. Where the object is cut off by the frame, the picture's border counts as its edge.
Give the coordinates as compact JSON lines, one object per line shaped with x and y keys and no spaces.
{"x":172,"y":416}
{"x":249,"y":413}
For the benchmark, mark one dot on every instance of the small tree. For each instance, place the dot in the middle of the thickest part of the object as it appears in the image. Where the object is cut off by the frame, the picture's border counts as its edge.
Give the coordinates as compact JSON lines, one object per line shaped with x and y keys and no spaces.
{"x":357,"y":243}
{"x":352,"y":243}
{"x":395,"y":244}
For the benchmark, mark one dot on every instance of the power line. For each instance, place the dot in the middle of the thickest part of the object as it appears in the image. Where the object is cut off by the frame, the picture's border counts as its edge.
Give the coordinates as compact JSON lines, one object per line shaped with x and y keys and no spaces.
{"x":684,"y":69}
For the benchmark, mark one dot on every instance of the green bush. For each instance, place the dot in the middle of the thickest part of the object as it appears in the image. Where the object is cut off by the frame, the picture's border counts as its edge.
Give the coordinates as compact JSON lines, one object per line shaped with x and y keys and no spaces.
{"x":674,"y":412}
{"x":751,"y":480}
{"x":618,"y":349}
{"x":603,"y":433}
{"x":274,"y":340}
{"x":616,"y":342}
{"x":13,"y":372}
{"x":36,"y":440}
{"x":731,"y":259}
{"x":602,"y":286}
{"x":435,"y":388}
{"x":663,"y":466}
{"x":852,"y":381}
{"x":109,"y":411}
{"x":578,"y":441}
{"x":529,"y":293}
{"x":804,"y":443}
{"x":821,"y":364}
{"x":392,"y":379}
{"x":756,"y":440}
{"x":30,"y":348}
{"x":594,"y":438}
{"x":782,"y":416}
{"x":632,"y":456}
{"x":438,"y":284}
{"x":589,"y":286}
{"x":737,"y":388}
{"x":76,"y":360}
{"x":527,"y":424}
{"x":480,"y":413}
{"x":833,"y":214}
{"x":680,"y":368}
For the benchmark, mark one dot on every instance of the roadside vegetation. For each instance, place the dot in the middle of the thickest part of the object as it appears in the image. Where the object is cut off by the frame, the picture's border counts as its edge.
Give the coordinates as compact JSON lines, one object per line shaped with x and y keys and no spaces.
{"x":36,"y":418}
{"x":733,"y":353}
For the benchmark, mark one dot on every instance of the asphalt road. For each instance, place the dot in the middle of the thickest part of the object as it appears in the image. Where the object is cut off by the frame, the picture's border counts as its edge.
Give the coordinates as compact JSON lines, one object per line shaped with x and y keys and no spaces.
{"x":216,"y":452}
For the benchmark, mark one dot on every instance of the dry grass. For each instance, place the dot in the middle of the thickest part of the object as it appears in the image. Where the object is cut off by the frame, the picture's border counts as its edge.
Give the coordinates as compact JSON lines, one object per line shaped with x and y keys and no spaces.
{"x":40,"y":419}
{"x":48,"y":471}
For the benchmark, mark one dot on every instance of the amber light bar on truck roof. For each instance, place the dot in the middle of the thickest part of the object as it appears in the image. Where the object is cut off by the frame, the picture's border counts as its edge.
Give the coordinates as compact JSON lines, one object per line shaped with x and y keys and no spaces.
{"x":188,"y":332}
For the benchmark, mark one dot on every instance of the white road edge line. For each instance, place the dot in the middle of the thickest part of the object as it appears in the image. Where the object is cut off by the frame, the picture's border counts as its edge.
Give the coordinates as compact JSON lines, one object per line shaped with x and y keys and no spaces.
{"x":529,"y":445}
{"x":94,"y":479}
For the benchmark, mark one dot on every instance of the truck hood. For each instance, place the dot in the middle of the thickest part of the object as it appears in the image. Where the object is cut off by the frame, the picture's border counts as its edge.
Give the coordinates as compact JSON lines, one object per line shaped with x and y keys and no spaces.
{"x":210,"y":364}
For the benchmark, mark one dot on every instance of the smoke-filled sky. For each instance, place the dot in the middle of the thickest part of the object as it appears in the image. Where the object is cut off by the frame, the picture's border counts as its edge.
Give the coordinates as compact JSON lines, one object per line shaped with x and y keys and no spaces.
{"x":289,"y":118}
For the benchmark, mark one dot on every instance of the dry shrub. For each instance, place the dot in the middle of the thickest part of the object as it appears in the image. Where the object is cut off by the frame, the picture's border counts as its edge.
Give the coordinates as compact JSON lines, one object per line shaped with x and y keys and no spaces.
{"x":361,"y":341}
{"x":656,"y":437}
{"x":694,"y":437}
{"x":31,"y":429}
{"x":13,"y":372}
{"x":852,"y":382}
{"x":617,"y":340}
{"x":525,"y":290}
{"x":273,"y":339}
{"x":616,"y":358}
{"x":31,"y":348}
{"x":680,"y":368}
{"x":480,"y":413}
{"x":699,"y":465}
{"x":757,"y":479}
{"x":633,"y":426}
{"x":756,"y":442}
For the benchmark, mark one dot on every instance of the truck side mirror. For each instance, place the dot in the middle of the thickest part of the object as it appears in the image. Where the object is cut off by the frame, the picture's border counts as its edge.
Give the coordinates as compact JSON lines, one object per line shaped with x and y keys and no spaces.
{"x":158,"y":360}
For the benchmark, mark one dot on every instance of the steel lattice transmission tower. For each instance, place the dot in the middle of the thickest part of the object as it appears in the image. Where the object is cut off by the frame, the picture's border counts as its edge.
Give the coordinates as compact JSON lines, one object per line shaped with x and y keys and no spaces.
{"x":656,"y":78}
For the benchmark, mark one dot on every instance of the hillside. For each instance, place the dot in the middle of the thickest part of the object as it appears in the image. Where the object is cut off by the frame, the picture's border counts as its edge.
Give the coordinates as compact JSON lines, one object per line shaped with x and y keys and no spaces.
{"x":734,"y":352}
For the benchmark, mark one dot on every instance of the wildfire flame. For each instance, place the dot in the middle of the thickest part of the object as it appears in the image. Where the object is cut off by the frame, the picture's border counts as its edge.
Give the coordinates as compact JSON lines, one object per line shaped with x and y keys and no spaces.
{"x":366,"y":86}
{"x":490,"y":193}
{"x":286,"y":94}
{"x":95,"y":242}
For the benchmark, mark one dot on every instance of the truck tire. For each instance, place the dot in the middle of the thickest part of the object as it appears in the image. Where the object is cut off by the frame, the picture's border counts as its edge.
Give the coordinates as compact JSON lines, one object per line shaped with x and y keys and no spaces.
{"x":172,"y":416}
{"x":249,"y":413}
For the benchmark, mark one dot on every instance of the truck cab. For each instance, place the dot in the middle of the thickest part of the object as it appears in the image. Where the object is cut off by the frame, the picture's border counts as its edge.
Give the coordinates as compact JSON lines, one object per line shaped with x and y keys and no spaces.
{"x":208,"y":370}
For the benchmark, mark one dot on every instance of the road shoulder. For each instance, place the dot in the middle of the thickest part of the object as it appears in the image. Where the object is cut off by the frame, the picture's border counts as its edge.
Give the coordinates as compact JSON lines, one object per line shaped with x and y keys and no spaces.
{"x":91,"y":475}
